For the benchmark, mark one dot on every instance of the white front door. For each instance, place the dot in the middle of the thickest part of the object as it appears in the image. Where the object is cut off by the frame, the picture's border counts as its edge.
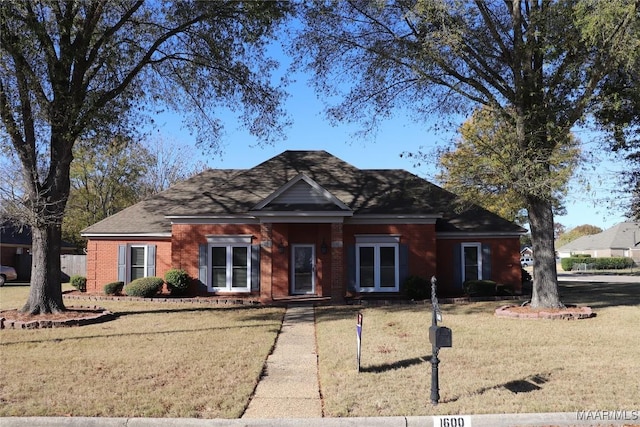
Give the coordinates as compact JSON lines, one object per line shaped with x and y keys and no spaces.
{"x":304,"y":269}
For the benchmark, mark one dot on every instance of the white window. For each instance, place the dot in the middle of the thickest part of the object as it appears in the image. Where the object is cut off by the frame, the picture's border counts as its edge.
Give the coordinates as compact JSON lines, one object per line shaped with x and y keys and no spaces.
{"x":137,"y":262}
{"x":230,"y":263}
{"x":471,"y":261}
{"x":377,"y":263}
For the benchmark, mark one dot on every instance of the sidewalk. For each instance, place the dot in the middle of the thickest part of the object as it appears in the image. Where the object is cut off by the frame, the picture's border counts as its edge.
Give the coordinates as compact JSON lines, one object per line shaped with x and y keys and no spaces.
{"x":289,"y":387}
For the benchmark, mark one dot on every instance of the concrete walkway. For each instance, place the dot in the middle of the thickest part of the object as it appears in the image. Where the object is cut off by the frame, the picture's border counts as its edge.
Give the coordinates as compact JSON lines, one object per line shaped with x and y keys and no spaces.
{"x":289,"y":387}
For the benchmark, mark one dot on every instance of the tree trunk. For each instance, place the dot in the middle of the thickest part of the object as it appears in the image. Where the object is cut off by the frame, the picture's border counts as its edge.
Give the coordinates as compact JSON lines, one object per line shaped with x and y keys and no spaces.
{"x":545,"y":276}
{"x":45,"y":294}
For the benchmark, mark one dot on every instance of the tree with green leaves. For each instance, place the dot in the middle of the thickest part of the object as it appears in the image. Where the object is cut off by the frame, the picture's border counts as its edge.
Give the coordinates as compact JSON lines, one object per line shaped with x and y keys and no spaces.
{"x":76,"y":69}
{"x":485,"y":167}
{"x":105,"y":178}
{"x":618,"y":115}
{"x":537,"y":64}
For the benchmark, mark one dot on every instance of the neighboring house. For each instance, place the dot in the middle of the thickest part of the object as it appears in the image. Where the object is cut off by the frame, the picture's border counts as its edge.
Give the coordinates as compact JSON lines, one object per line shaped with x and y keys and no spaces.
{"x":304,"y":223}
{"x":526,"y":256}
{"x":15,"y":248}
{"x":621,"y":240}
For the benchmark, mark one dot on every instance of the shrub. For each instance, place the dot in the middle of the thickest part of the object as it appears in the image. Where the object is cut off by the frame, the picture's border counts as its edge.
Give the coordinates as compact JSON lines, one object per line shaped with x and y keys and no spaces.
{"x":177,"y":281}
{"x":79,"y":282}
{"x":480,"y":288}
{"x":417,"y":288}
{"x":608,"y":263}
{"x":505,"y":290}
{"x":113,"y":288}
{"x":145,"y":287}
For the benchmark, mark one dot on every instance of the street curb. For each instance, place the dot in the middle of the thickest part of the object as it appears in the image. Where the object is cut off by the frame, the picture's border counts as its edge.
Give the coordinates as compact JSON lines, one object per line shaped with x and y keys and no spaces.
{"x":557,"y":419}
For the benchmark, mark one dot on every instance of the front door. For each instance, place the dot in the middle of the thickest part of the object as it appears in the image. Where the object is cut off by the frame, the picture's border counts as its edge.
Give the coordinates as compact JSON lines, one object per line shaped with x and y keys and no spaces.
{"x":304,"y":269}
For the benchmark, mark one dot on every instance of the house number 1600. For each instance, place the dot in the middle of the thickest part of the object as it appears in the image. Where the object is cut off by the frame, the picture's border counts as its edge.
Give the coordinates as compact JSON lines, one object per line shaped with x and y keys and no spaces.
{"x":452,"y":421}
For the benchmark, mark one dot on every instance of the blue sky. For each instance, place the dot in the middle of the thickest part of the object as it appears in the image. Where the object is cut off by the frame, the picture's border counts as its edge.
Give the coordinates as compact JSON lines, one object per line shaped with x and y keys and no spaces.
{"x":311,"y":131}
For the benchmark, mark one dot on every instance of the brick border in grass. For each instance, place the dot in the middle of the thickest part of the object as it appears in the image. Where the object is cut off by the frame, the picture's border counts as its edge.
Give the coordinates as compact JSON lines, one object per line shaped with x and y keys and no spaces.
{"x":568,"y":313}
{"x":95,"y":315}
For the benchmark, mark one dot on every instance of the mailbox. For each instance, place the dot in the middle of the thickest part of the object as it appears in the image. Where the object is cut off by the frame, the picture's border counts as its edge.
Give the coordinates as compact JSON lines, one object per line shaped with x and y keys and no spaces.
{"x":440,"y":336}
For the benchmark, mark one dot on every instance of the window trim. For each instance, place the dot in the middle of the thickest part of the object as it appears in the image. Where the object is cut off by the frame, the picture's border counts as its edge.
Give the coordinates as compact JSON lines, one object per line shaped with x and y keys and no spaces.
{"x":463,"y":265}
{"x":228,"y":242}
{"x":130,"y":265}
{"x":384,"y":242}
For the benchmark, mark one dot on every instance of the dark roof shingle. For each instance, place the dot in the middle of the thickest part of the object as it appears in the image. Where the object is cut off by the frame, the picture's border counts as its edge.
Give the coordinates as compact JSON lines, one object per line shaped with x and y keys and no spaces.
{"x":365,"y":191}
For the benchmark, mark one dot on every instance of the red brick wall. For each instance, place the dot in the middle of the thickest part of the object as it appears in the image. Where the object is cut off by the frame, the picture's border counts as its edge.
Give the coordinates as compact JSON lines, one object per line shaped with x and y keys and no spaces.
{"x":420,"y":238}
{"x":187,"y":239}
{"x":426,"y":255}
{"x":102,"y":260}
{"x":505,"y":262}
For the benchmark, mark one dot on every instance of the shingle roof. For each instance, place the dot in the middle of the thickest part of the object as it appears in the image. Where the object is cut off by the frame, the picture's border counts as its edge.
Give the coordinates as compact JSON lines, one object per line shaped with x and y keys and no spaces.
{"x":12,"y":234}
{"x":364,"y":191}
{"x":624,"y":235}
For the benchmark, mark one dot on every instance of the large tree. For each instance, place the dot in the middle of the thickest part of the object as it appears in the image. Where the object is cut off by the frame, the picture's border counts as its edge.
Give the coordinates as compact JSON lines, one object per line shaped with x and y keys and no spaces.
{"x":535,"y":63}
{"x":619,"y":116}
{"x":485,"y":167}
{"x":74,"y":69}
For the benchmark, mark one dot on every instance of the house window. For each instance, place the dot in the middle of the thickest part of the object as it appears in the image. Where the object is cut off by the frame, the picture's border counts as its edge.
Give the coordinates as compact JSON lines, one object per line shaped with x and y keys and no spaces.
{"x":377,"y":263}
{"x":137,"y":262}
{"x":230,"y":268}
{"x":471,"y":261}
{"x":230,"y":263}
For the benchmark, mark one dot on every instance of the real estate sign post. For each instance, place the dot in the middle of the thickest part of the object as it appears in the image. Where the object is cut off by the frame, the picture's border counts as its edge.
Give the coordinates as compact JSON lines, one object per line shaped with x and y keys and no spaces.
{"x":359,"y":339}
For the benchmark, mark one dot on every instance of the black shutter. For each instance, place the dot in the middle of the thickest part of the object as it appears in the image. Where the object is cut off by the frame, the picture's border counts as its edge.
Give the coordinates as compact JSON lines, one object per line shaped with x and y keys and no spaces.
{"x":404,"y":262}
{"x":351,"y":268}
{"x":457,"y":266}
{"x":255,"y":268}
{"x":486,"y":261}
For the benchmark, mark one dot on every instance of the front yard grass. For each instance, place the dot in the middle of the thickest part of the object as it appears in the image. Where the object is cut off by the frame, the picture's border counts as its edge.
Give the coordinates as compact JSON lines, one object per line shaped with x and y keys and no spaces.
{"x":153,"y":360}
{"x":182,"y":360}
{"x":496,"y":365}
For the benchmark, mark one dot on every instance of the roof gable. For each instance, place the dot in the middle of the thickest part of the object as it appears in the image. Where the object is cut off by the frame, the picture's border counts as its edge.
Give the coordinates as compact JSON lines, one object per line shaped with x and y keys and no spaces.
{"x":301,"y":193}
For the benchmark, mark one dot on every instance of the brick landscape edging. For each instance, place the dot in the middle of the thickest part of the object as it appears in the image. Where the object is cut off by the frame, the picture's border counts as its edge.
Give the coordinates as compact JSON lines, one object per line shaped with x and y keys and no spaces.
{"x":192,"y":300}
{"x":569,"y":314}
{"x":102,"y":315}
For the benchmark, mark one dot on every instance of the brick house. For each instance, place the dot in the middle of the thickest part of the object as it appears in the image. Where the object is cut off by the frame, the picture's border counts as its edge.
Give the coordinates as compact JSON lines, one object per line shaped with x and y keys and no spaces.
{"x":304,"y":223}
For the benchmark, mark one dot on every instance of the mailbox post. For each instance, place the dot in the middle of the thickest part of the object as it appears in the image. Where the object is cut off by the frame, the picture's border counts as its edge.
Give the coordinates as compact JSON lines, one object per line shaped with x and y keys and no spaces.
{"x":439,"y":337}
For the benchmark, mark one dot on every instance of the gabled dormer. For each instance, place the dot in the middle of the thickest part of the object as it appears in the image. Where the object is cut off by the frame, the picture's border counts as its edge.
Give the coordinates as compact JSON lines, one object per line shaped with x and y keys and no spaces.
{"x":302,"y":198}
